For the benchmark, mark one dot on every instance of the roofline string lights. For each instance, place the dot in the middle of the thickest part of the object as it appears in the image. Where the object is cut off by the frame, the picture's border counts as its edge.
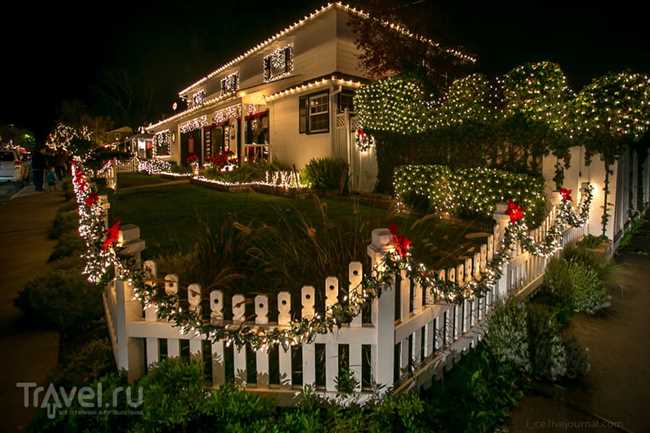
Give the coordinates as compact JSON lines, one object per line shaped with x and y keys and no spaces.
{"x":341,"y":6}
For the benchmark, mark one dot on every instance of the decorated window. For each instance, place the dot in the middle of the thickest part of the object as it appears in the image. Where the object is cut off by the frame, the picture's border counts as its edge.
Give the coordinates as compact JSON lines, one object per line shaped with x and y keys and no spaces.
{"x":345,"y":101}
{"x":278,"y":64}
{"x":162,"y":143}
{"x":314,"y":113}
{"x":198,"y":97}
{"x":230,"y":83}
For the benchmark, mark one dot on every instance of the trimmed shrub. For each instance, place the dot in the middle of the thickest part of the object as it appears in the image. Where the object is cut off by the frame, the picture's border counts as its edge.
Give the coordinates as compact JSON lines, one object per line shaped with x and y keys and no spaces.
{"x":68,"y":244}
{"x":60,"y":300}
{"x":86,"y":365}
{"x":575,"y":286}
{"x":577,"y":358}
{"x":507,"y":336}
{"x":468,"y":191}
{"x":327,"y":174}
{"x":64,"y":222}
{"x":174,"y":395}
{"x":547,"y":355}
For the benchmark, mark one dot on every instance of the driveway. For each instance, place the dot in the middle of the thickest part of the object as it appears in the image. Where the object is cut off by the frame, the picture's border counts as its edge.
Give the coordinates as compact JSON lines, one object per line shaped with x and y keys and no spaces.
{"x":28,"y":355}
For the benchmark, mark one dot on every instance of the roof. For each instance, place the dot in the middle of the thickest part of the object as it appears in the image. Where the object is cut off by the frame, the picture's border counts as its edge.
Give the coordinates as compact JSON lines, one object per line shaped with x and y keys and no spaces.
{"x":300,"y":23}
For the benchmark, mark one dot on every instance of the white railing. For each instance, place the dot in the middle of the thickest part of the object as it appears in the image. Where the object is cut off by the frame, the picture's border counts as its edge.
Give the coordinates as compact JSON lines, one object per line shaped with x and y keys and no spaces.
{"x":408,"y":337}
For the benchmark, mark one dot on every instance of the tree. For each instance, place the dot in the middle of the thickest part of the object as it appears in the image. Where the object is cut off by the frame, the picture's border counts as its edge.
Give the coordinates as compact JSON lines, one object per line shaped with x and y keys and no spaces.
{"x":17,"y":136}
{"x":388,"y":47}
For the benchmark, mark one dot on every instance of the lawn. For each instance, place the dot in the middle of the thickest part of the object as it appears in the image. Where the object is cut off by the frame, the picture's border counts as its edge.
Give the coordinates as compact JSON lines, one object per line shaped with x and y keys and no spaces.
{"x":127,"y":180}
{"x":172,"y":217}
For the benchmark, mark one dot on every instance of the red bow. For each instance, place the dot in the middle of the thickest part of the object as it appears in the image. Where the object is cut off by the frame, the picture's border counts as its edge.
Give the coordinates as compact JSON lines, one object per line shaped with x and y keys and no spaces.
{"x":402,"y":243}
{"x":515,"y":212}
{"x":91,"y":199}
{"x":361,"y":132}
{"x":112,"y":235}
{"x":566,"y":194}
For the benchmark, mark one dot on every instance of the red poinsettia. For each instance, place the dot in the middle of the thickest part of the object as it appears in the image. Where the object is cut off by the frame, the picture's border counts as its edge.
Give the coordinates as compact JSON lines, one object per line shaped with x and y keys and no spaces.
{"x":515,"y":212}
{"x":91,"y":199}
{"x":401,"y":243}
{"x":191,"y":158}
{"x":566,"y":194}
{"x":112,"y":235}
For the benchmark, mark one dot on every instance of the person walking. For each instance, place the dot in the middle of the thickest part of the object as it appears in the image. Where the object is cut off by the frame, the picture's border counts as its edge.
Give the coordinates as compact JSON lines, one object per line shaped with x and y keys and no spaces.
{"x":60,"y":164}
{"x":38,"y":167}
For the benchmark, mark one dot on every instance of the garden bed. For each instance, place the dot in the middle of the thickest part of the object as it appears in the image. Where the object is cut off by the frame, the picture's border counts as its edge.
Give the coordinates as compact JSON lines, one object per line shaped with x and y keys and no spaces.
{"x":171,"y":217}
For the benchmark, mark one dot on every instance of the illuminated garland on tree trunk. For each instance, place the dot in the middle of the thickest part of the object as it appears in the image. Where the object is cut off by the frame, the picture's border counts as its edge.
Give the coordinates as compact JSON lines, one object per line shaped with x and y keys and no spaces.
{"x":101,"y":255}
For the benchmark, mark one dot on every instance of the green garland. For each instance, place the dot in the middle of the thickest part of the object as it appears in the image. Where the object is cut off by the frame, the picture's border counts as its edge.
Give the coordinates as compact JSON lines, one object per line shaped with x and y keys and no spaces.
{"x":151,"y":293}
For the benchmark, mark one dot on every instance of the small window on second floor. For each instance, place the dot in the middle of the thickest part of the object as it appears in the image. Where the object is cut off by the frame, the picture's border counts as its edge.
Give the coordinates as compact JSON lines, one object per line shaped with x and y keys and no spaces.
{"x":278,"y":64}
{"x":314,"y":113}
{"x":230,"y":83}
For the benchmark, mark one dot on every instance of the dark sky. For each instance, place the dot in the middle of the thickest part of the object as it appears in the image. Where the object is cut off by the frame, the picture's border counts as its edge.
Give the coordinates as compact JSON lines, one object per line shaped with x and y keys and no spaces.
{"x":60,"y":50}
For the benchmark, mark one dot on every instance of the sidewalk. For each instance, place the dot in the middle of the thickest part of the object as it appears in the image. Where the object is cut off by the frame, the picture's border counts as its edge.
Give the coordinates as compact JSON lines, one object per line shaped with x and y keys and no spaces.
{"x":28,"y":355}
{"x":618,"y":386}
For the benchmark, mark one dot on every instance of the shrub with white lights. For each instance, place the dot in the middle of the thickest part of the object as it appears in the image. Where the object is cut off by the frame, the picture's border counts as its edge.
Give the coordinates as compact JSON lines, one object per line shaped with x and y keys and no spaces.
{"x":472,"y":191}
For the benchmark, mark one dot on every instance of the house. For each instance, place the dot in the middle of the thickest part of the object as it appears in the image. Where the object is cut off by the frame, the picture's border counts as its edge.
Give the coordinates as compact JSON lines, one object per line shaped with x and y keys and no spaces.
{"x":287,"y":99}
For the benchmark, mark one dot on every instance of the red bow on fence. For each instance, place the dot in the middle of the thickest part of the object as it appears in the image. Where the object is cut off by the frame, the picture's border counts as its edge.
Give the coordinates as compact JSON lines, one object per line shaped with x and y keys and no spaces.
{"x":566,"y":194}
{"x":91,"y":199}
{"x":515,"y":212}
{"x":112,"y":235}
{"x":402,"y":243}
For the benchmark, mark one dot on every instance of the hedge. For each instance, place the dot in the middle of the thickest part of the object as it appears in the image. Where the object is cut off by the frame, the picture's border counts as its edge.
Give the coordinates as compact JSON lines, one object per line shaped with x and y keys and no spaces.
{"x":468,"y":191}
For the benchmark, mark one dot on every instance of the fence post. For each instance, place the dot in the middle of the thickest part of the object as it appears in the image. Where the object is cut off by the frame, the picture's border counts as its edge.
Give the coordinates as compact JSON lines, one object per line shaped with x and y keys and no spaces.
{"x":502,"y":220}
{"x":383,"y":355}
{"x":130,"y":351}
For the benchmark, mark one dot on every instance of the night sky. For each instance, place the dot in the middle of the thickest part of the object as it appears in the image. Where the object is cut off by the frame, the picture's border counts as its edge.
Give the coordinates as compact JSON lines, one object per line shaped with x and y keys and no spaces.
{"x":58,"y":51}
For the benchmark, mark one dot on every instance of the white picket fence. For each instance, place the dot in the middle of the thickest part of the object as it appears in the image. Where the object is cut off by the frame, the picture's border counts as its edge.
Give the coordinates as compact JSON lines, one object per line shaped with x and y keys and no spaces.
{"x":409,"y":337}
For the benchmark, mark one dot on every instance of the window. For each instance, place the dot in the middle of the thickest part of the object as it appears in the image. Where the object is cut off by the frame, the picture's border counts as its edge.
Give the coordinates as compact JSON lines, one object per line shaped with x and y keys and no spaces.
{"x":230,"y":83}
{"x":345,"y":100}
{"x":198,"y":97}
{"x":314,"y":113}
{"x":278,"y":64}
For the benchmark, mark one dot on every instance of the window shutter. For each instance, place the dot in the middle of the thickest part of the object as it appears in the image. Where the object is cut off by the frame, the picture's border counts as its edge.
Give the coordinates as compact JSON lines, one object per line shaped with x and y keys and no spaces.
{"x":303,"y":111}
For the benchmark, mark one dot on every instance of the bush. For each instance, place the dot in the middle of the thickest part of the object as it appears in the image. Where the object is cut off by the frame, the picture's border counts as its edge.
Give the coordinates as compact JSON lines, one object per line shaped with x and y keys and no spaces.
{"x":577,"y":358}
{"x":507,"y":337}
{"x":575,"y":286}
{"x":85,"y":365}
{"x":468,"y":191}
{"x":234,"y":410}
{"x":174,"y":395}
{"x":64,"y":222}
{"x":68,"y":245}
{"x":60,"y":300}
{"x":327,"y":174}
{"x":547,"y":355}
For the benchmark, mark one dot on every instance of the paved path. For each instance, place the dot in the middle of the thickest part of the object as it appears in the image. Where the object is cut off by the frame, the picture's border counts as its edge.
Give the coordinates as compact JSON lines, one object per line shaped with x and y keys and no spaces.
{"x":28,"y":355}
{"x":618,"y":386}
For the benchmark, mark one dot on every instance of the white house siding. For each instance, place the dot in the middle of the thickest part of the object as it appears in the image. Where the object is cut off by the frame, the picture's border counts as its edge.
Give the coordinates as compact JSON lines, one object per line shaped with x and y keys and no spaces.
{"x":287,"y":144}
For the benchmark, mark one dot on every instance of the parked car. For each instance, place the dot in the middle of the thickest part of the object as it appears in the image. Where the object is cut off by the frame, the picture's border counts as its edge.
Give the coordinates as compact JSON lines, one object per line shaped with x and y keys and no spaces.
{"x":12,"y":166}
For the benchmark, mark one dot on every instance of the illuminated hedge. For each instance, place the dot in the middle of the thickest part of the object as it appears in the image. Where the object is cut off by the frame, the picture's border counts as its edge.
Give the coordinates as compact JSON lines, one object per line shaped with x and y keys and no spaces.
{"x":470,"y":99}
{"x":469,"y":191}
{"x":538,"y":91}
{"x":394,"y":105}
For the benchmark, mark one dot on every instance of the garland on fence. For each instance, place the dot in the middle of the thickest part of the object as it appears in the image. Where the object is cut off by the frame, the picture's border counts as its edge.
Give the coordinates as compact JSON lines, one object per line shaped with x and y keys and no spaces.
{"x":101,"y":255}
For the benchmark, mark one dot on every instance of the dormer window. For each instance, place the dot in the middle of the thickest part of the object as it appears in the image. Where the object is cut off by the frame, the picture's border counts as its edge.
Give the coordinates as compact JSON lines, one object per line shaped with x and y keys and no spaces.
{"x":198,"y":97}
{"x":278,"y":64}
{"x":230,"y":83}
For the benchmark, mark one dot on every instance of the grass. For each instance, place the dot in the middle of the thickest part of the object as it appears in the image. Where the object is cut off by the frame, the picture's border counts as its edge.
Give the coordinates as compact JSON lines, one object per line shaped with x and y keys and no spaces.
{"x":127,"y":180}
{"x":170,"y":218}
